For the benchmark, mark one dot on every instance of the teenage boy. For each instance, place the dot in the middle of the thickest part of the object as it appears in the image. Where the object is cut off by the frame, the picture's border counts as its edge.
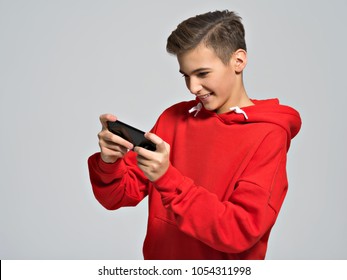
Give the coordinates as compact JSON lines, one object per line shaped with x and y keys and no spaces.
{"x":217,"y":179}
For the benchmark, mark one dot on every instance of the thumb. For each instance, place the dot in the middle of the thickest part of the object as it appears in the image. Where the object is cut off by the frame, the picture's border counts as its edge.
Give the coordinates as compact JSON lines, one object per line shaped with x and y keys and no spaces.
{"x":105,"y":118}
{"x":160,"y":143}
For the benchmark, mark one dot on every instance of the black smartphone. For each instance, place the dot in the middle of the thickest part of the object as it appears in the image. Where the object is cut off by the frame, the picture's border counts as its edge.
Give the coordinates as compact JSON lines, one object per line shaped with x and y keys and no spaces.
{"x":131,"y":134}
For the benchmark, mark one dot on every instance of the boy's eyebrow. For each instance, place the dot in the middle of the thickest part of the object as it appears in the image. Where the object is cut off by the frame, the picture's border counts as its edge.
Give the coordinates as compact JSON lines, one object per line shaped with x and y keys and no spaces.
{"x":196,"y":70}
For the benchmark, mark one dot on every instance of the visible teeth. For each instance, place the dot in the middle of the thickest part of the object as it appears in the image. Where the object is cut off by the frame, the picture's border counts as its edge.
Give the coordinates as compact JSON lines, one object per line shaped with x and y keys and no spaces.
{"x":205,"y":96}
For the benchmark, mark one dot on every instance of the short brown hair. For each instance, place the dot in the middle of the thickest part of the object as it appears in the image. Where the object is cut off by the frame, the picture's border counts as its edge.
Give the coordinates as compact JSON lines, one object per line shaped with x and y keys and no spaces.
{"x":222,"y":31}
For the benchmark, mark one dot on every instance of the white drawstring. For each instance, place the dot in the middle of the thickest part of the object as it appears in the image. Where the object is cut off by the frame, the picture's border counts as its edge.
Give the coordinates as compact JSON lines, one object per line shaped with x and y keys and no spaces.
{"x":196,"y":108}
{"x":238,"y":111}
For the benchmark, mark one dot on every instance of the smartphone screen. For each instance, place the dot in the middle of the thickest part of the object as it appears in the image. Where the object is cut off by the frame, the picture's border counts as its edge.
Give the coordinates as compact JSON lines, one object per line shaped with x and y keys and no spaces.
{"x":131,"y":134}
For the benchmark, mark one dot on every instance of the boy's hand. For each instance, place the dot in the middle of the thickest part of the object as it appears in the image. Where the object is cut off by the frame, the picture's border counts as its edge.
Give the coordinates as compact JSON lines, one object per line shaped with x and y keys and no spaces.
{"x":154,"y":164}
{"x":112,"y":147}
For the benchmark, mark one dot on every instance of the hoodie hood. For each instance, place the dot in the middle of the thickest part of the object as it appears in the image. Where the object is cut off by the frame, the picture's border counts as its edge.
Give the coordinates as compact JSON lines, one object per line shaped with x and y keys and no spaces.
{"x":270,"y":111}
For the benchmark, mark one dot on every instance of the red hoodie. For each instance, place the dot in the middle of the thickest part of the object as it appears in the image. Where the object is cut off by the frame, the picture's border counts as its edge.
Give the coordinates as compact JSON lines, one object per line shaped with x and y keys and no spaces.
{"x":224,"y":187}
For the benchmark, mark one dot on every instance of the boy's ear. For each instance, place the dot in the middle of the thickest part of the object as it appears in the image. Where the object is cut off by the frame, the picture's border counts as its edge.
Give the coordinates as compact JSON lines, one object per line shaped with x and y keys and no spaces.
{"x":239,"y":59}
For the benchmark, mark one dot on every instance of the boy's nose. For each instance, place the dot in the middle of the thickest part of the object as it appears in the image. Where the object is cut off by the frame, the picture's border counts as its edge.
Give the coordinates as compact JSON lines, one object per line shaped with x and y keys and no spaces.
{"x":194,"y":86}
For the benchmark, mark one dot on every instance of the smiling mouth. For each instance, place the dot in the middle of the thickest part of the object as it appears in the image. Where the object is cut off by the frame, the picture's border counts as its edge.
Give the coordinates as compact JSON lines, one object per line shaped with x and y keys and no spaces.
{"x":204,"y":97}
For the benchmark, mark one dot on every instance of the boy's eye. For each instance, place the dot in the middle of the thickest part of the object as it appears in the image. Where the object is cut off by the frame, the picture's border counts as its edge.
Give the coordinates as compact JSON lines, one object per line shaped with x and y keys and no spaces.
{"x":202,"y":74}
{"x":199,"y":75}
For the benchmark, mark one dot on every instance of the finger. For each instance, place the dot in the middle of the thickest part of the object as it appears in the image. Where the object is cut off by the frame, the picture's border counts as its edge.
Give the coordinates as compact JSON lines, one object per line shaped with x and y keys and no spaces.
{"x":144,"y":153}
{"x":112,"y":146}
{"x":113,"y":139}
{"x":160,"y":143}
{"x":142,"y":161}
{"x":105,"y":118}
{"x":110,"y":155}
{"x":110,"y":150}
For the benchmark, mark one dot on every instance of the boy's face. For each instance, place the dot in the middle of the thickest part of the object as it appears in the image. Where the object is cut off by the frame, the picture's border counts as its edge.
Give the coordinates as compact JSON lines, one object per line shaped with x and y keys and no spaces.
{"x":218,"y":86}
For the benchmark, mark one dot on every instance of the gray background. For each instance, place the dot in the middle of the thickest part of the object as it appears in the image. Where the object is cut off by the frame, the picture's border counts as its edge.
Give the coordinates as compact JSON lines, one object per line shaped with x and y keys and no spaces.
{"x":63,"y":63}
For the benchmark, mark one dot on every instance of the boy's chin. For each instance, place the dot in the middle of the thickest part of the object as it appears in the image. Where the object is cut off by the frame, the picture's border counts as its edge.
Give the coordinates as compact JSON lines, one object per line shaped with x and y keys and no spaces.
{"x":211,"y":107}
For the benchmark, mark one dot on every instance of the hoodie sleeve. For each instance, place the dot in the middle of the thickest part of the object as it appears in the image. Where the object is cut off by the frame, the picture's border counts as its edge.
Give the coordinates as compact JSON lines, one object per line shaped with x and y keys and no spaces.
{"x":234,"y":225}
{"x":118,"y":184}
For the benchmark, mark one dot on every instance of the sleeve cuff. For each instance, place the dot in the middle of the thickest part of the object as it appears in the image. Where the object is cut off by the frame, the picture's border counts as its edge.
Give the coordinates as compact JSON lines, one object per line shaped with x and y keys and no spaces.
{"x":171,"y":184}
{"x":118,"y":168}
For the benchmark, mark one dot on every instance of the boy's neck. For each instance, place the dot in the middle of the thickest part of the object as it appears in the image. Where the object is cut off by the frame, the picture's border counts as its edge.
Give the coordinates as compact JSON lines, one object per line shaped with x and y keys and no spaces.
{"x":244,"y":101}
{"x":239,"y":99}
